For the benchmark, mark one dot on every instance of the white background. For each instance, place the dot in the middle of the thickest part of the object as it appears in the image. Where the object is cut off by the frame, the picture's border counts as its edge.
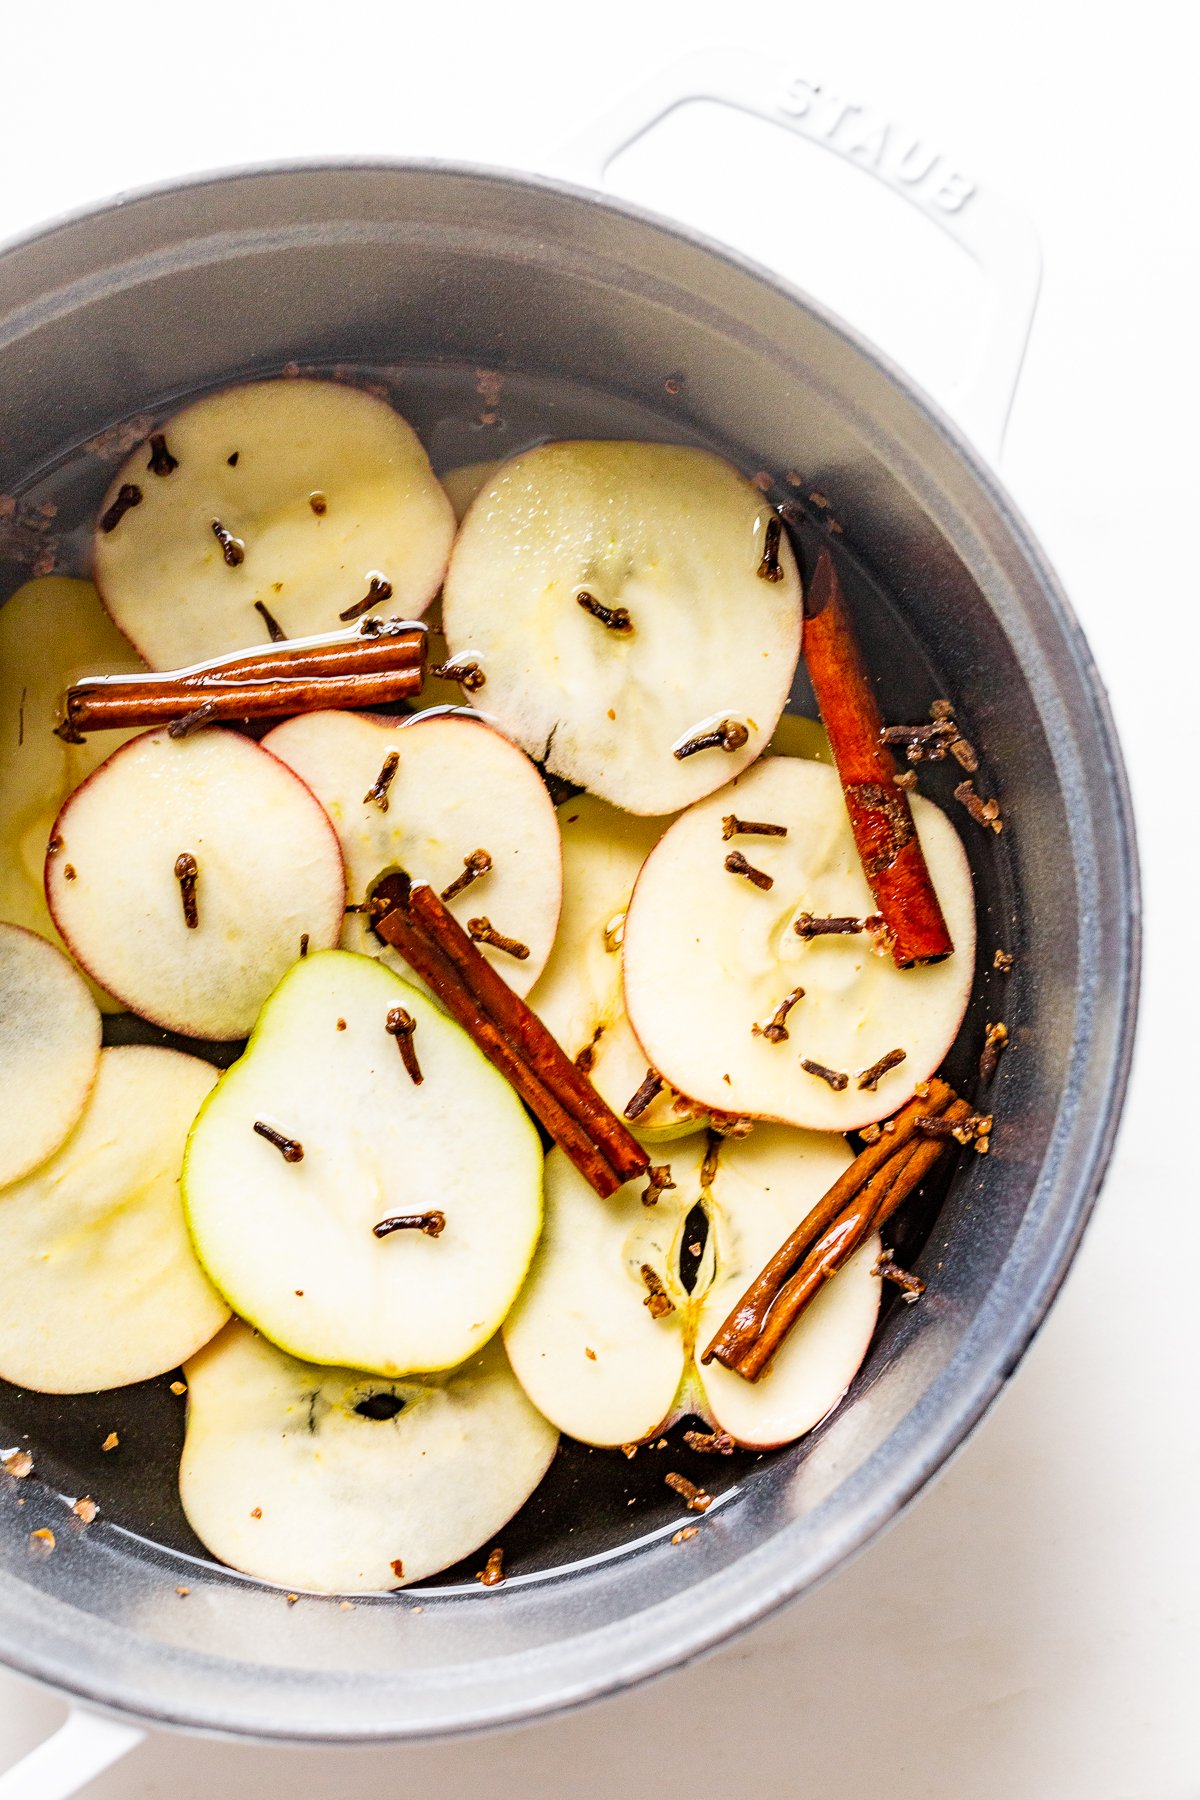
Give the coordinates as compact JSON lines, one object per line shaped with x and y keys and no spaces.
{"x":1030,"y":1630}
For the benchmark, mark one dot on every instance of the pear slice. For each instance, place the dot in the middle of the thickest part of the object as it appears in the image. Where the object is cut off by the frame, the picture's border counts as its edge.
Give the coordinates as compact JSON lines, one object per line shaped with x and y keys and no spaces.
{"x":592,"y":1355}
{"x":709,"y":956}
{"x":451,"y":786}
{"x":673,"y":539}
{"x":291,"y":1243}
{"x":331,"y":1480}
{"x":579,"y":995}
{"x":52,"y":631}
{"x":268,"y":873}
{"x":100,"y":1284}
{"x":302,"y":497}
{"x":49,"y":1050}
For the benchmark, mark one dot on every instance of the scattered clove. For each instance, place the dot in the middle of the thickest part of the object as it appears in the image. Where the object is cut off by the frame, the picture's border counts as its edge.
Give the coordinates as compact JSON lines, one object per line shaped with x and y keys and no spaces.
{"x":401,"y":1025}
{"x":378,"y":589}
{"x":288,"y":1148}
{"x":613,"y":618}
{"x":658,"y":1183}
{"x":718,"y":1443}
{"x":995,"y":1039}
{"x":657,"y":1298}
{"x":736,"y":863}
{"x":697,"y":1499}
{"x":984,"y":812}
{"x":161,"y":461}
{"x":834,"y":1077}
{"x":476,"y":864}
{"x":870,"y":1078}
{"x":469,"y":676}
{"x":378,"y":790}
{"x":127,"y":496}
{"x":492,"y":1574}
{"x":808,"y":926}
{"x":1003,"y":961}
{"x":729,"y":735}
{"x":649,"y":1090}
{"x":888,"y":1270}
{"x":186,"y":871}
{"x":775,"y":1031}
{"x":770,"y":569}
{"x":731,"y":826}
{"x":482,"y":931}
{"x":432,"y":1224}
{"x":232,"y":548}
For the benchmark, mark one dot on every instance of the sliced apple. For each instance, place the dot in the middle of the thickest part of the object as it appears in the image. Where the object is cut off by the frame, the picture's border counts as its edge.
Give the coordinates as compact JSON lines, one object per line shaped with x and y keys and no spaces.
{"x":425,"y":795}
{"x":101,"y":1286}
{"x":300,"y":497}
{"x":668,"y":539}
{"x":268,"y":874}
{"x":709,"y":956}
{"x":597,"y":1360}
{"x":579,"y":995}
{"x":52,"y":631}
{"x":291,"y":1242}
{"x":49,"y":1049}
{"x":331,"y":1480}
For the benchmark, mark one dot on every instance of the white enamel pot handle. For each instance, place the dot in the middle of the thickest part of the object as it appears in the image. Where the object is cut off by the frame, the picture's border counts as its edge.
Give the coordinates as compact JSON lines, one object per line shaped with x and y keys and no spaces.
{"x":84,"y":1745}
{"x":996,"y":235}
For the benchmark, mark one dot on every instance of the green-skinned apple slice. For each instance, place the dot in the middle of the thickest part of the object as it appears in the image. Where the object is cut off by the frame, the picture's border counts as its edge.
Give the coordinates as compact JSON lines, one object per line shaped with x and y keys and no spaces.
{"x":426,"y":795}
{"x":461,"y":486}
{"x":593,"y":1341}
{"x":100,"y":1284}
{"x":52,"y":631}
{"x":331,"y":1480}
{"x":303,"y":498}
{"x":49,"y":1049}
{"x":291,"y":1241}
{"x":710,"y":956}
{"x":579,"y":995}
{"x":265,"y":873}
{"x":612,"y":594}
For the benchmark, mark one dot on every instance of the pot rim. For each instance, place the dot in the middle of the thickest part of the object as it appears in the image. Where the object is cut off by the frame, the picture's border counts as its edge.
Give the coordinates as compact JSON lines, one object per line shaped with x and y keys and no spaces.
{"x":712,"y":1612}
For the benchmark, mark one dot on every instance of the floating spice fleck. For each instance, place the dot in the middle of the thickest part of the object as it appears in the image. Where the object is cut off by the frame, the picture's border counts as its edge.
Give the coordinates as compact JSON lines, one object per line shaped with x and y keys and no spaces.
{"x":274,"y":629}
{"x":492,"y":1574}
{"x":377,"y":589}
{"x":42,"y":1541}
{"x":430,"y":1224}
{"x":834,"y":1077}
{"x":482,"y":931}
{"x":195,"y":720}
{"x":111,"y":1442}
{"x":770,"y":569}
{"x":1003,"y":961}
{"x":186,"y":872}
{"x":775,"y":1031}
{"x":729,"y":735}
{"x":179,"y":1388}
{"x":401,"y":1025}
{"x":697,"y":1499}
{"x":964,"y":754}
{"x":288,"y":1148}
{"x":736,"y":863}
{"x":397,"y":1567}
{"x":685,"y":1533}
{"x":232,"y":548}
{"x":613,"y":618}
{"x":731,"y":826}
{"x":85,"y":1509}
{"x":378,"y":790}
{"x":870,"y":1078}
{"x":912,"y":1285}
{"x":586,"y":1058}
{"x":657,"y":1300}
{"x":127,"y":496}
{"x":17,"y":1463}
{"x":183,"y":1592}
{"x":906,"y":779}
{"x":476,"y":864}
{"x":984,"y":812}
{"x":995,"y":1039}
{"x":932,"y":740}
{"x":161,"y":461}
{"x":673,"y":385}
{"x":651,"y":1087}
{"x":469,"y":676}
{"x":658,"y":1182}
{"x":718,"y":1443}
{"x":842,"y":925}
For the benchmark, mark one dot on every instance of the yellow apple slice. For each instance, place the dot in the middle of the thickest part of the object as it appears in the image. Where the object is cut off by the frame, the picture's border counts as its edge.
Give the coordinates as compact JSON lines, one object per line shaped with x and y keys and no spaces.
{"x":291,"y":1240}
{"x":612,"y":594}
{"x":301,"y":497}
{"x":49,"y":1049}
{"x":335,"y":1481}
{"x":710,"y":956}
{"x":100,"y":1284}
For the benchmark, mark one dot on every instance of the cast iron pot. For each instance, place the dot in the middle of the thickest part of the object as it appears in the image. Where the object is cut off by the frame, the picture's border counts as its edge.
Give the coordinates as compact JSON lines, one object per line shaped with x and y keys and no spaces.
{"x":427,"y":274}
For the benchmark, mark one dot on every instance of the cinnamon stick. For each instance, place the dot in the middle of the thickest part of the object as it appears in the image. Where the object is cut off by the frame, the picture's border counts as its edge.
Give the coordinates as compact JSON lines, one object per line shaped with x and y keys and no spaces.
{"x":412,"y":918}
{"x":345,"y":669}
{"x":746,"y":1319}
{"x":880,"y":816}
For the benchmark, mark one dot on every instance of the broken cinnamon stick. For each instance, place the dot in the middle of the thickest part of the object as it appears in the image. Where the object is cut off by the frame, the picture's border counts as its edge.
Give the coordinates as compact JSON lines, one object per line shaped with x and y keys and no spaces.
{"x":412,"y":918}
{"x":345,"y":669}
{"x":880,"y":816}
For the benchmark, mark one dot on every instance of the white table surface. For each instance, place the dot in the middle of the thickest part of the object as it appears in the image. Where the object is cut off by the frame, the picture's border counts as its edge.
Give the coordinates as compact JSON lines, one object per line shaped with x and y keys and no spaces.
{"x":1029,"y":1631}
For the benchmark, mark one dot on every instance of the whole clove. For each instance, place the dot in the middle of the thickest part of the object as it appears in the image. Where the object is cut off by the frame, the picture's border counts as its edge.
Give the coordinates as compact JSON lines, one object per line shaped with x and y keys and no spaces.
{"x":476,"y":864}
{"x":649,"y":1090}
{"x":775,"y":1031}
{"x":430,"y":1224}
{"x":274,"y":629}
{"x":290,"y":1150}
{"x":770,"y":569}
{"x":232,"y":548}
{"x":186,"y":871}
{"x":657,"y":1298}
{"x":834,"y":1077}
{"x":729,"y":735}
{"x":378,"y":589}
{"x":469,"y":676}
{"x":401,"y":1025}
{"x":731,"y":826}
{"x":378,"y":790}
{"x":736,"y":863}
{"x":995,"y":1039}
{"x":870,"y":1078}
{"x":127,"y":496}
{"x":613,"y":618}
{"x":482,"y":931}
{"x":658,"y":1183}
{"x":161,"y":461}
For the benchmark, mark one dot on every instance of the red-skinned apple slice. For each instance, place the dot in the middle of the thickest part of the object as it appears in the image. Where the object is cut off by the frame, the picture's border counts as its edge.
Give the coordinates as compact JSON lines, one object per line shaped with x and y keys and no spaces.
{"x":424,"y":795}
{"x":579,"y":995}
{"x":100,"y":1284}
{"x":301,"y":497}
{"x":335,"y":1481}
{"x":613,"y":596}
{"x":267,"y":874}
{"x":590,"y":1354}
{"x":709,"y":955}
{"x":49,"y":1049}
